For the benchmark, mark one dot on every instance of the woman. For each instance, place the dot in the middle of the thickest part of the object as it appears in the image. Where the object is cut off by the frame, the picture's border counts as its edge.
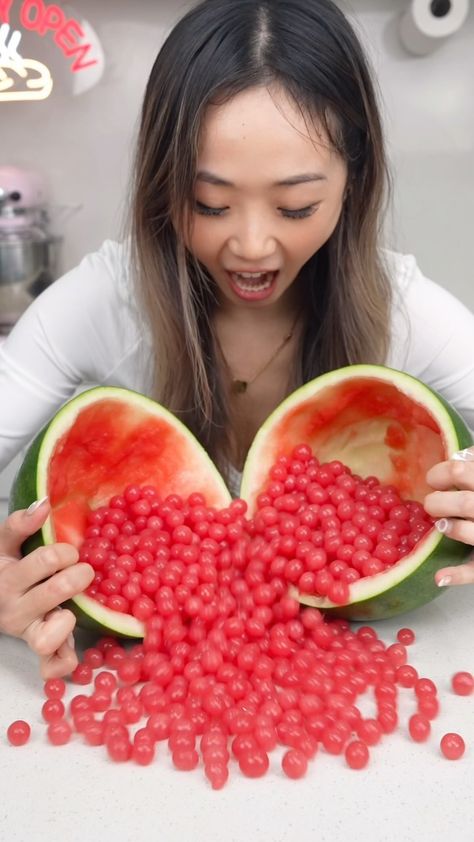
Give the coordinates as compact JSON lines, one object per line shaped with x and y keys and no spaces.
{"x":254,"y":264}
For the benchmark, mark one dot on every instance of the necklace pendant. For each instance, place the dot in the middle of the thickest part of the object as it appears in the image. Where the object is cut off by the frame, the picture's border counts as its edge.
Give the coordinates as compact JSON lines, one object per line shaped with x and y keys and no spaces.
{"x":239,"y":386}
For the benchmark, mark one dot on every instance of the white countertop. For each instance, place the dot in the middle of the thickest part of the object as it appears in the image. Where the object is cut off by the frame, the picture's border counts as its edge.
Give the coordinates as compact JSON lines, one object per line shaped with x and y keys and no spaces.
{"x":408,"y":793}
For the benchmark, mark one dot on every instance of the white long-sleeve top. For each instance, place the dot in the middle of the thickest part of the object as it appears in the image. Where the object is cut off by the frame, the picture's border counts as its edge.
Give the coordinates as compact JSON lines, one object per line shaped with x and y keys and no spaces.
{"x":85,"y":328}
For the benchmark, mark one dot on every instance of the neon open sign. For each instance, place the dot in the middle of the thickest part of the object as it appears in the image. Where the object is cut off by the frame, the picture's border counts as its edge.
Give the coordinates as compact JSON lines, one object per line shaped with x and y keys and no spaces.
{"x":26,"y":78}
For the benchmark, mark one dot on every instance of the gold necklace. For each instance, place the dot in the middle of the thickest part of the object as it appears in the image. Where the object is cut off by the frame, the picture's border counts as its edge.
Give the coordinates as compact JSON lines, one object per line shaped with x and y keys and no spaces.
{"x":238,"y":386}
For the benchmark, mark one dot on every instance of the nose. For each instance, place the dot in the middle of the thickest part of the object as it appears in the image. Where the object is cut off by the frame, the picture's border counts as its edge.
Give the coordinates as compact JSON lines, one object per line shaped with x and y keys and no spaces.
{"x":252,"y":239}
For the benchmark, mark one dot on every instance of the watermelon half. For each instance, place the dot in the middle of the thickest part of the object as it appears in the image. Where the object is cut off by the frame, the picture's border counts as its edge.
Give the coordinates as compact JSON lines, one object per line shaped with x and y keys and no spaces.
{"x":97,"y":444}
{"x":379,"y":422}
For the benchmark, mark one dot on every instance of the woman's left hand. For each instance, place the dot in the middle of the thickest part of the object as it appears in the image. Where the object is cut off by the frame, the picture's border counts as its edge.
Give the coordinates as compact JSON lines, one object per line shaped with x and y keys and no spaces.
{"x":452,"y":503}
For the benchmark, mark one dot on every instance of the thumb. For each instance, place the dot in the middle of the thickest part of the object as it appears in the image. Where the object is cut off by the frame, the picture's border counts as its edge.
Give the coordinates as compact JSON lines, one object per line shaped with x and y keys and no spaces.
{"x":20,"y":525}
{"x":463,"y":574}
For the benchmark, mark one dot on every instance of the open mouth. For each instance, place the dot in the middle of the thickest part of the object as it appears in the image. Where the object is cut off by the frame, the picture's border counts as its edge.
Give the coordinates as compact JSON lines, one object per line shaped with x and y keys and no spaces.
{"x":252,"y":284}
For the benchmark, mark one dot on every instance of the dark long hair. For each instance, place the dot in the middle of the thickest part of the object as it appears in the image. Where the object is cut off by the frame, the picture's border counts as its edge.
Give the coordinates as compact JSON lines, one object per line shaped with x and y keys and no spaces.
{"x":218,"y":49}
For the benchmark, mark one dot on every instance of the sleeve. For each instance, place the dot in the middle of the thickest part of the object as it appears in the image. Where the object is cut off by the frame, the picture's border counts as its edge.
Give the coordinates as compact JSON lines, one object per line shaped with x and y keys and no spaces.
{"x":75,"y":332}
{"x":433,"y":338}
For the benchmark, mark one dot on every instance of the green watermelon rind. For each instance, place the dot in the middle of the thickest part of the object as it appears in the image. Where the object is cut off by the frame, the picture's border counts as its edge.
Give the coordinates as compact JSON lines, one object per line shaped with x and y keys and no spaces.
{"x":410,"y":583}
{"x":25,"y":491}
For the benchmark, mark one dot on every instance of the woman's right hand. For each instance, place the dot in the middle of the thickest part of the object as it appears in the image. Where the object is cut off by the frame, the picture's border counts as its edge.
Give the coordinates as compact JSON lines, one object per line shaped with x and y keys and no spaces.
{"x":32,"y":589}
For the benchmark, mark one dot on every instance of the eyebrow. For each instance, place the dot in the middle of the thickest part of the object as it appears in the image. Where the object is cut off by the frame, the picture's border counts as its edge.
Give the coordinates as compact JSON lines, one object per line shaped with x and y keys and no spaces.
{"x":302,"y":178}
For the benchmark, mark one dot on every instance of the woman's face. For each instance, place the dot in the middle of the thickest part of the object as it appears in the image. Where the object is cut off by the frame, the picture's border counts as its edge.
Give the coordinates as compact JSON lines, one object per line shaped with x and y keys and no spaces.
{"x":269,"y":193}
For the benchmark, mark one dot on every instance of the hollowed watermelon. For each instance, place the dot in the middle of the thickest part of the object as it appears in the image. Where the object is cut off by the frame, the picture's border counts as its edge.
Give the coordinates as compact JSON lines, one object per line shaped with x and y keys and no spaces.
{"x":97,"y":444}
{"x":379,"y":422}
{"x":375,"y":420}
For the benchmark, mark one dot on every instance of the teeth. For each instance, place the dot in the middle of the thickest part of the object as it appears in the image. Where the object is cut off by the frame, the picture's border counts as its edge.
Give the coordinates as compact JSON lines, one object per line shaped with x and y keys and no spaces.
{"x":253,"y":279}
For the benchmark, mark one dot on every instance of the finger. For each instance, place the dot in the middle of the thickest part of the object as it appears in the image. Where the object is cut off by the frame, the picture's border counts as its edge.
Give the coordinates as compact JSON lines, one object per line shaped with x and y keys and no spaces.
{"x":60,"y":663}
{"x":20,"y":525}
{"x":22,"y":575}
{"x":463,"y":574}
{"x":56,"y":590}
{"x":458,"y":504}
{"x":47,"y":634}
{"x":452,"y":474}
{"x":458,"y":530}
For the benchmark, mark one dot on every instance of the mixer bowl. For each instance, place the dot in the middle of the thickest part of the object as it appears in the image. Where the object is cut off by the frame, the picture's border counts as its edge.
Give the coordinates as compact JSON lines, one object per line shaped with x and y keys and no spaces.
{"x":22,"y":259}
{"x":27,"y":267}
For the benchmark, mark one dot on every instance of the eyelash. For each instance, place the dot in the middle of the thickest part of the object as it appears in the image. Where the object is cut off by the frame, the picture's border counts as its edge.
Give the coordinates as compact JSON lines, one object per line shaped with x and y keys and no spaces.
{"x":205,"y":210}
{"x":300,"y":213}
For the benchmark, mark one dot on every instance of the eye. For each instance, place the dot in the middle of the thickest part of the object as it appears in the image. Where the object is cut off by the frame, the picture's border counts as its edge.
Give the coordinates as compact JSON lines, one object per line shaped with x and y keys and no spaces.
{"x":205,"y":210}
{"x":299,"y":213}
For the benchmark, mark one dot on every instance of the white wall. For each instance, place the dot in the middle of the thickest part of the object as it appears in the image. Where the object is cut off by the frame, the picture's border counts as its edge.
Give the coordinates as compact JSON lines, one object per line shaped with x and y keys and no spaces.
{"x":429,"y":113}
{"x":84,"y":144}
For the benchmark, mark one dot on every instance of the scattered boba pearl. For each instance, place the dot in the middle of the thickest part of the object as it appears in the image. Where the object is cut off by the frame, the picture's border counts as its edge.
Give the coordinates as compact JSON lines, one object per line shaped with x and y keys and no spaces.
{"x":18,"y":733}
{"x":452,"y":746}
{"x":463,"y":683}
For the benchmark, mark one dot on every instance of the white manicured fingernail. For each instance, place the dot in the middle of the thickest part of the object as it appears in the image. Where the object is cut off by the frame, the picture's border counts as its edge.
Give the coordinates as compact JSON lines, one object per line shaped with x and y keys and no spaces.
{"x":442,"y":525}
{"x":70,"y":640}
{"x":446,"y":580}
{"x":34,"y":506}
{"x":465,"y":455}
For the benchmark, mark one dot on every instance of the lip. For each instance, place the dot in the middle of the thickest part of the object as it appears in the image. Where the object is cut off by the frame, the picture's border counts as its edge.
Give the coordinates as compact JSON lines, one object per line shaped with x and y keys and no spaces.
{"x":250,"y":295}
